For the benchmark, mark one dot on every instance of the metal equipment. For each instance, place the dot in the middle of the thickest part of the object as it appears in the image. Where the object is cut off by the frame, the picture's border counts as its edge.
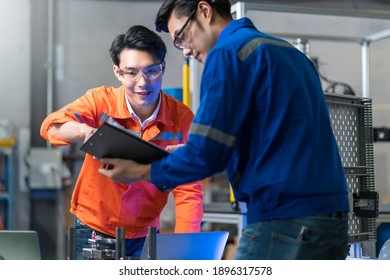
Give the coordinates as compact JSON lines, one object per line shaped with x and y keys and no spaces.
{"x":352,"y":126}
{"x":101,"y":248}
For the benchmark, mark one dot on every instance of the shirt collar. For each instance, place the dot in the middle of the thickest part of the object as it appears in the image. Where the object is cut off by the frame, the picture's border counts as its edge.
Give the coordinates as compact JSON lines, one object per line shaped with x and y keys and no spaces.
{"x":234,"y":25}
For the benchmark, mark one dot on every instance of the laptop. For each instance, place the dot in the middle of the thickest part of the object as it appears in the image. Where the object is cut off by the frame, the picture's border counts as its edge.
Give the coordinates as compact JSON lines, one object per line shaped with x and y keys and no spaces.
{"x":19,"y":245}
{"x":185,"y":246}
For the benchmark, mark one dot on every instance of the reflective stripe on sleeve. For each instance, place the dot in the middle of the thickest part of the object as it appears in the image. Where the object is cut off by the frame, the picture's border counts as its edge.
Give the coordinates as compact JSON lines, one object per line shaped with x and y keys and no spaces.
{"x":213,"y":133}
{"x":76,"y":115}
{"x":168,"y":136}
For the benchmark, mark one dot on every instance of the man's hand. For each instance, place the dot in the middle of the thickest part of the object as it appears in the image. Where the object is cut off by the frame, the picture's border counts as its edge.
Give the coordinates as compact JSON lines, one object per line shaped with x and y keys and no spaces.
{"x":86,"y":132}
{"x":71,"y":131}
{"x":124,"y":170}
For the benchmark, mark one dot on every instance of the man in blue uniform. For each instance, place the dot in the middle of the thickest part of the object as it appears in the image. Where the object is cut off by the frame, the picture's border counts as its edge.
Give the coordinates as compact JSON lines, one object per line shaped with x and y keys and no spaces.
{"x":262,"y":117}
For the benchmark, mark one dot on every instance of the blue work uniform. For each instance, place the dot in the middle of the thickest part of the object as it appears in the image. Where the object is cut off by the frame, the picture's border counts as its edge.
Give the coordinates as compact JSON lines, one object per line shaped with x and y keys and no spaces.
{"x":263,"y":117}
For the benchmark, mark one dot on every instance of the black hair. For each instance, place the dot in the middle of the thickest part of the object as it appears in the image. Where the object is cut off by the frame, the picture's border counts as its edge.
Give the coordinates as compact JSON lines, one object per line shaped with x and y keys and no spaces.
{"x":185,"y":8}
{"x":140,"y":38}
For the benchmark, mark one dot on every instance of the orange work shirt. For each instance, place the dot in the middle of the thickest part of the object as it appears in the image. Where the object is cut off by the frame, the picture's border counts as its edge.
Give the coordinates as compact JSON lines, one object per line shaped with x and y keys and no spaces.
{"x":104,"y":204}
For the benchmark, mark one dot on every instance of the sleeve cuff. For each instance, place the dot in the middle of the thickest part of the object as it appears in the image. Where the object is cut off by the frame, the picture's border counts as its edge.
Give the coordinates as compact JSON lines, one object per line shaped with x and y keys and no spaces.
{"x":157,"y":177}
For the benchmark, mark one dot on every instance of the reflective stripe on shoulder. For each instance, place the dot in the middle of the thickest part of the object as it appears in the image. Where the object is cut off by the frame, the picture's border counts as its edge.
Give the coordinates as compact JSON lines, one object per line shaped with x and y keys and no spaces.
{"x":213,"y":133}
{"x":251,"y":46}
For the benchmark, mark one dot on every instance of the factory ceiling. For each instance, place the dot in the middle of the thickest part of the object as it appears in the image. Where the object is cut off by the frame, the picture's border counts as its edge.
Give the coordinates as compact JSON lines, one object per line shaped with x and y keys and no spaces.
{"x":360,"y":8}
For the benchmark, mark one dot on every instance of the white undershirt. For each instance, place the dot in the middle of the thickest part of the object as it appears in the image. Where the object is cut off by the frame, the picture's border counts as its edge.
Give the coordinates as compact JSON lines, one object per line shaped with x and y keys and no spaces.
{"x":148,"y":120}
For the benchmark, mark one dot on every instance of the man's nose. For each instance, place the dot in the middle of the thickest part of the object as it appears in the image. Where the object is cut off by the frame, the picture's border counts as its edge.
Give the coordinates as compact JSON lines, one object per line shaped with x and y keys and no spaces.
{"x":142,"y":80}
{"x":187,"y":52}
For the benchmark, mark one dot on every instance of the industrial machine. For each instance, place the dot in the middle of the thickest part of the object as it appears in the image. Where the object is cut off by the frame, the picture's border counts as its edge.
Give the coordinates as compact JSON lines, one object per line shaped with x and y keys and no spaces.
{"x":101,"y":248}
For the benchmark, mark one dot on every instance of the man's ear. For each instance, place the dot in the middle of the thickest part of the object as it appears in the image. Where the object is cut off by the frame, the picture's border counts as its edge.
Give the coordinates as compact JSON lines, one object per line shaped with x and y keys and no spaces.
{"x":115,"y":69}
{"x":163,"y":66}
{"x":205,"y":10}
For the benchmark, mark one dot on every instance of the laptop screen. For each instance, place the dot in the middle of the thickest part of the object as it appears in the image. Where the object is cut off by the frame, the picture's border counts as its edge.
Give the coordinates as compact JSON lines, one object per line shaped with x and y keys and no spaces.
{"x":19,"y":245}
{"x":187,"y":246}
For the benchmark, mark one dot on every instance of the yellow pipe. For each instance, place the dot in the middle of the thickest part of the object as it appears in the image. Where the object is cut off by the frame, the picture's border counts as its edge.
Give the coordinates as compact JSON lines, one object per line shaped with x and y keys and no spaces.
{"x":232,"y":198}
{"x":186,"y":82}
{"x":233,"y":201}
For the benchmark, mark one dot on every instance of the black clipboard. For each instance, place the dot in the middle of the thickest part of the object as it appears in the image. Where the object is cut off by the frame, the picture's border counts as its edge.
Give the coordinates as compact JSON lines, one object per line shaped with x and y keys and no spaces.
{"x":111,"y":140}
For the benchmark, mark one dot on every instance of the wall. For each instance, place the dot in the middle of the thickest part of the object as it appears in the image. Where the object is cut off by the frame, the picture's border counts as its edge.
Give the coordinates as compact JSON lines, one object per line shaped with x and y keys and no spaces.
{"x":15,"y":62}
{"x":15,"y":82}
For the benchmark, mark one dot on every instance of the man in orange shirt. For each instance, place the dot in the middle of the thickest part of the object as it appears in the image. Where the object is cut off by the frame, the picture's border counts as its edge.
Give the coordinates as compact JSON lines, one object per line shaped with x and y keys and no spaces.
{"x":100,"y":204}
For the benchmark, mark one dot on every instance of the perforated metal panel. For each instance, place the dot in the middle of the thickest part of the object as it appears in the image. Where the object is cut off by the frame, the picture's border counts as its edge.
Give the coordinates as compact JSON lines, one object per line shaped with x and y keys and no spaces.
{"x":352,"y":126}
